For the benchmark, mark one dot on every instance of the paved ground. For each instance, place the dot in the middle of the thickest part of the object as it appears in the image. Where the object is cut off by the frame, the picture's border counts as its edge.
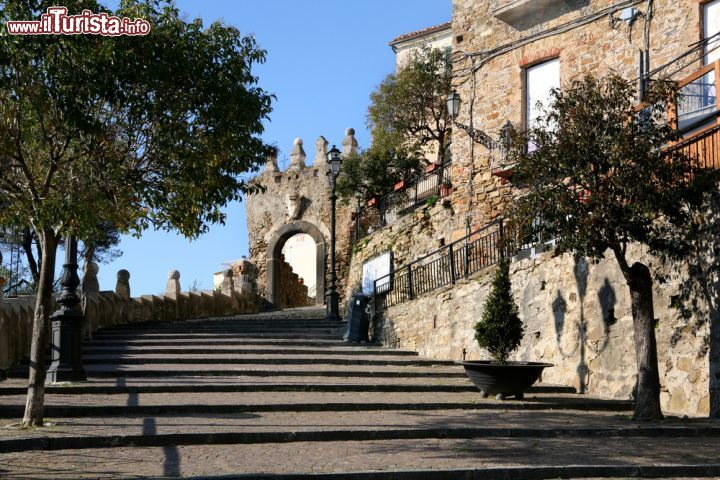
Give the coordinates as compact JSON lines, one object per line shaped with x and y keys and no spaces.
{"x":282,"y":395}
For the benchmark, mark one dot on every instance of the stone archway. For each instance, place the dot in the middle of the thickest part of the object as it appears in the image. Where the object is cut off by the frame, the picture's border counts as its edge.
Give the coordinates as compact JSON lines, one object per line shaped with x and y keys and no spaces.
{"x":274,"y":250}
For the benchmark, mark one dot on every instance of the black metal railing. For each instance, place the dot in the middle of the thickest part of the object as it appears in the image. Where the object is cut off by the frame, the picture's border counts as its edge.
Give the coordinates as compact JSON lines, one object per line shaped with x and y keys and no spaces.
{"x":459,"y":259}
{"x":416,"y":192}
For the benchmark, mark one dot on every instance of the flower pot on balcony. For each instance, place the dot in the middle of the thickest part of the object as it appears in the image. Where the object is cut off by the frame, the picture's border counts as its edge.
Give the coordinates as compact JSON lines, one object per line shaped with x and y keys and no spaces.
{"x":400,"y":185}
{"x":431,"y":167}
{"x":372,"y":202}
{"x":445,"y":189}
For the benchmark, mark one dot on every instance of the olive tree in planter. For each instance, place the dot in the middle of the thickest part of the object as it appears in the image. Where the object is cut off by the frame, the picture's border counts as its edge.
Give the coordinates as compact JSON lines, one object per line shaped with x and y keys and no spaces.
{"x":500,"y":331}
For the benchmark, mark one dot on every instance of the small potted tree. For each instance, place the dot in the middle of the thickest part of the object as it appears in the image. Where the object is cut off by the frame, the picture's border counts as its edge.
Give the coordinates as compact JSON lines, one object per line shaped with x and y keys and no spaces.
{"x":499,"y":332}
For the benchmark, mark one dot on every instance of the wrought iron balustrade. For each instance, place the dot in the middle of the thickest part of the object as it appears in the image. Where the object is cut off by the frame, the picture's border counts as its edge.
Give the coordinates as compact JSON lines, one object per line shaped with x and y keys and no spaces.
{"x":459,"y":259}
{"x":394,"y":205}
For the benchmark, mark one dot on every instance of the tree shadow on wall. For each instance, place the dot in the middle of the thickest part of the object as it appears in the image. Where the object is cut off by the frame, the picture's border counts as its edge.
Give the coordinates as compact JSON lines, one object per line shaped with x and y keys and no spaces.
{"x":698,"y":299}
{"x":607,"y":299}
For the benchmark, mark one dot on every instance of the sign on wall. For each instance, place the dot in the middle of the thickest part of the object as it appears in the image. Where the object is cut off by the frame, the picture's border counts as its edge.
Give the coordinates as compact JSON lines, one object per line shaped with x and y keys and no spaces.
{"x":375,"y":268}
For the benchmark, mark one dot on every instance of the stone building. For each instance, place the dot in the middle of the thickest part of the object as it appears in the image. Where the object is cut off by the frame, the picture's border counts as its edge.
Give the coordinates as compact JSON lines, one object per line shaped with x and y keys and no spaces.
{"x":507,"y":56}
{"x":438,"y":36}
{"x":297,"y":202}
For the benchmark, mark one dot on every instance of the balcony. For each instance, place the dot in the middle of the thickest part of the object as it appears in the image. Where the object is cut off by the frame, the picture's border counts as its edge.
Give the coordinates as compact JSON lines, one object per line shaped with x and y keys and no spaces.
{"x":411,"y":194}
{"x":515,"y":12}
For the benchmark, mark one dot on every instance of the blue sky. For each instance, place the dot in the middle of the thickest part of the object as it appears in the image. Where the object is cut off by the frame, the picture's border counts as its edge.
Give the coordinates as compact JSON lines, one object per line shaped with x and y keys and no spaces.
{"x":324,"y":59}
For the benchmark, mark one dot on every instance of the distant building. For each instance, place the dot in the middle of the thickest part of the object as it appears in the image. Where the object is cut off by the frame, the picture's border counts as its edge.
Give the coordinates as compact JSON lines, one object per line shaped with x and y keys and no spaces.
{"x":439,"y":36}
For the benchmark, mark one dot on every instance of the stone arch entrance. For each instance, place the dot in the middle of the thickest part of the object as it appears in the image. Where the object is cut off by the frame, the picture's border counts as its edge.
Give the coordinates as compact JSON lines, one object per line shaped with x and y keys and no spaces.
{"x":274,"y":250}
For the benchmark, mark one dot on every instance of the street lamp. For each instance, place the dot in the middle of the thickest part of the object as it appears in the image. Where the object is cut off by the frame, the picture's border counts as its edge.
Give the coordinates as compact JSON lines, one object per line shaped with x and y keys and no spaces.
{"x":332,"y":302}
{"x":67,"y":323}
{"x":478,"y":136}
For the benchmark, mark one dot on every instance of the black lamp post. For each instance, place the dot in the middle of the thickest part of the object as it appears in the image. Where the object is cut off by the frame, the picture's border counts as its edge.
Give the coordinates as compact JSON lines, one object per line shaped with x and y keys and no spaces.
{"x":478,"y":136}
{"x":332,"y":300}
{"x":67,"y":323}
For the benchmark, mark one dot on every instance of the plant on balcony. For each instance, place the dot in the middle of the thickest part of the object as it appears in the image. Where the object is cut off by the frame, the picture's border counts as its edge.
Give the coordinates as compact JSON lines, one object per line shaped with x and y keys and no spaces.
{"x":601,"y":178}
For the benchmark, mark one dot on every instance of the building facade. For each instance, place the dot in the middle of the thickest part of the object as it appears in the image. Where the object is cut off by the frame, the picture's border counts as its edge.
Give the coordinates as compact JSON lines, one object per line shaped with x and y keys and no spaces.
{"x":507,"y":56}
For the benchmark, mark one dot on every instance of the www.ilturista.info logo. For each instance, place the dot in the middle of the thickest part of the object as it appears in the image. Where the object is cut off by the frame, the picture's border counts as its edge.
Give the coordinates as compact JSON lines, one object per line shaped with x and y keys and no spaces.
{"x":57,"y":22}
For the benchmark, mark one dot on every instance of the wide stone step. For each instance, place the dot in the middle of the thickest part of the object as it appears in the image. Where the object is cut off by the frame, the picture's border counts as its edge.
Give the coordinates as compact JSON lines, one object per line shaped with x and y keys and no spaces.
{"x":245,"y":350}
{"x":53,"y":409}
{"x":218,"y":335}
{"x":235,"y":326}
{"x":513,"y":422}
{"x":255,"y":384}
{"x":335,"y":342}
{"x":235,"y":359}
{"x":403,"y":459}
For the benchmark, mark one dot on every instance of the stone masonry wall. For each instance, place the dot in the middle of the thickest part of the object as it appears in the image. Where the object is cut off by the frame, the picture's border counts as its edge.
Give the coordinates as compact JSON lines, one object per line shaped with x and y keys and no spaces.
{"x":294,"y":292}
{"x":577,"y":316}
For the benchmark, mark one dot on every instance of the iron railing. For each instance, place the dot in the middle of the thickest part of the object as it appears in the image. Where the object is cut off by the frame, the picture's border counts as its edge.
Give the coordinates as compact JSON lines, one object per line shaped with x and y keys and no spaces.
{"x":459,"y":259}
{"x":388,"y":209}
{"x":702,"y":148}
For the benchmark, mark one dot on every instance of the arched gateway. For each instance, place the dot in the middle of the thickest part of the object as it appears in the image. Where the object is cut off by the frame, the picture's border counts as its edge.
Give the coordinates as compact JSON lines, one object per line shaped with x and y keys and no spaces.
{"x":293,"y":202}
{"x":274,"y":252}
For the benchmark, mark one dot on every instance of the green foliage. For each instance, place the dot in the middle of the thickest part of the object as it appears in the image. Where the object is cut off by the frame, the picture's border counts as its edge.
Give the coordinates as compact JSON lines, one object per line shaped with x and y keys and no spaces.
{"x":599,"y":176}
{"x":407,"y":113}
{"x":408,"y":108}
{"x":374,"y":172}
{"x":131,"y":131}
{"x":430,"y":202}
{"x":500,"y":330}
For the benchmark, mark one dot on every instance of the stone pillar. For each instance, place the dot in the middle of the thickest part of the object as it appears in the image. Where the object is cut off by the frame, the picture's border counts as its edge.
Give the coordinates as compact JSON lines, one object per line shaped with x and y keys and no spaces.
{"x":297,"y":155}
{"x":228,"y":284}
{"x":89,"y":289}
{"x":173,"y":284}
{"x":349,"y":143}
{"x":321,"y":150}
{"x":271,"y":165}
{"x":90,"y":284}
{"x":122,"y":288}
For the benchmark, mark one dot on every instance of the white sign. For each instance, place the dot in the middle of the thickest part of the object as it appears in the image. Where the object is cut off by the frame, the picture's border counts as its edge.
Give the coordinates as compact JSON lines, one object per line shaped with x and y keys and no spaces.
{"x":375,"y":268}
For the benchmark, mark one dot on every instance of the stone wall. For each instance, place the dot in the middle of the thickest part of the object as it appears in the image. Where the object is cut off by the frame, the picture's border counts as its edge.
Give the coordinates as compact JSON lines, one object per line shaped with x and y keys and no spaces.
{"x":577,"y":316}
{"x":294,"y":293}
{"x":297,"y":201}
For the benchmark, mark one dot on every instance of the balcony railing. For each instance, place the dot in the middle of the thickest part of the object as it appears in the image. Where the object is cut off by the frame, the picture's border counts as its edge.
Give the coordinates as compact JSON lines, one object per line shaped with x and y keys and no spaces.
{"x":388,"y":209}
{"x":466,"y":256}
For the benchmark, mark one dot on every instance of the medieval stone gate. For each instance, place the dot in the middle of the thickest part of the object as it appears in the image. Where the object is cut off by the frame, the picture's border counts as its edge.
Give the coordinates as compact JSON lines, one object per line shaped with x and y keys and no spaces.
{"x":296,"y":201}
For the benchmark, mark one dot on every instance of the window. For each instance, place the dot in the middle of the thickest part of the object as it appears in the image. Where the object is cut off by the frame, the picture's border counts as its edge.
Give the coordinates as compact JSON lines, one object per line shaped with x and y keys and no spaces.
{"x":696,"y":105}
{"x":711,"y":26}
{"x":540,"y":79}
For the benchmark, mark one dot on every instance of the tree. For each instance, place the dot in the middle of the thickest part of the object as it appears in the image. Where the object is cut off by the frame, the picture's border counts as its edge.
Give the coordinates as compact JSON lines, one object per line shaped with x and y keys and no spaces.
{"x":500,"y":329}
{"x":407,"y":111}
{"x":127,"y":131}
{"x":375,"y":171}
{"x":406,"y":115}
{"x":598,"y":178}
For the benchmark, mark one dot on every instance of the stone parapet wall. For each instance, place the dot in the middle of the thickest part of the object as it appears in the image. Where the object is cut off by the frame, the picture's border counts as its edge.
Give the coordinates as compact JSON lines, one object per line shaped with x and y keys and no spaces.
{"x":577,"y":316}
{"x":105,"y":309}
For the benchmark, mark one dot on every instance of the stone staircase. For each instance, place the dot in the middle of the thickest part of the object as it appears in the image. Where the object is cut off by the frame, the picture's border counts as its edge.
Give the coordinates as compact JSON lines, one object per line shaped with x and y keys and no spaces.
{"x":280,"y":395}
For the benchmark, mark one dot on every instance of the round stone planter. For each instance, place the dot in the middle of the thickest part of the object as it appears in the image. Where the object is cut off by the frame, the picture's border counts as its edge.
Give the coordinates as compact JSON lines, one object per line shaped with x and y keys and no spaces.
{"x":510,"y":379}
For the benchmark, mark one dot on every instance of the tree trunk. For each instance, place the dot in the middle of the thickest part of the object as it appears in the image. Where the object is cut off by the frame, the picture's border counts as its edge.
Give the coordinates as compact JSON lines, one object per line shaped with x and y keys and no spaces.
{"x":647,"y":406}
{"x":27,"y":247}
{"x":43,"y":303}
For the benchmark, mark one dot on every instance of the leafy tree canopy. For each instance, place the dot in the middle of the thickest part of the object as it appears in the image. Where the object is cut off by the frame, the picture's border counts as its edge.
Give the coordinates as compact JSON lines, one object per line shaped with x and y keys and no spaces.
{"x":406,"y":116}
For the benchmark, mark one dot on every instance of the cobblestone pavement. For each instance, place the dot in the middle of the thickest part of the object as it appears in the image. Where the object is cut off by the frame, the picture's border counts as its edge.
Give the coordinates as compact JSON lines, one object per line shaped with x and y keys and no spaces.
{"x":431,"y":417}
{"x":321,"y":457}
